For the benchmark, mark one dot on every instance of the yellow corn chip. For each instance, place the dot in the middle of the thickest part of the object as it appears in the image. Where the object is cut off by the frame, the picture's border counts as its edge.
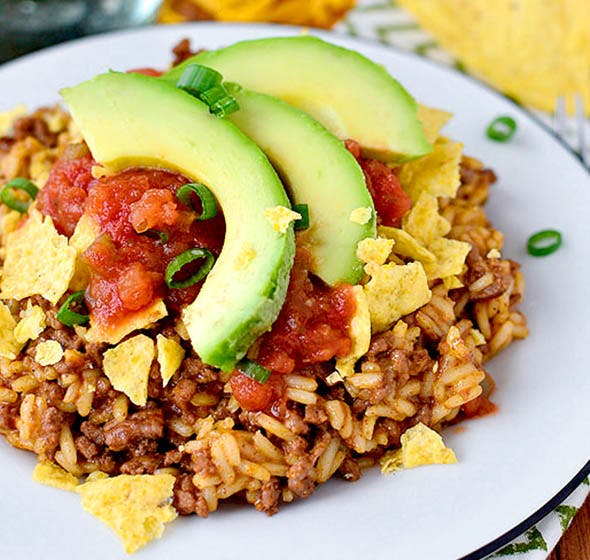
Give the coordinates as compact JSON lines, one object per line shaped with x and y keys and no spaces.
{"x":9,"y":223}
{"x":420,"y":446}
{"x":450,"y":256}
{"x":393,"y":291}
{"x":128,"y":367}
{"x":31,"y":325}
{"x":135,"y":507}
{"x":53,"y":475}
{"x":8,"y":117}
{"x":87,"y":230}
{"x":432,"y":121}
{"x":437,"y":173}
{"x":9,"y":346}
{"x":38,"y":261}
{"x":360,"y":333}
{"x":280,"y":217}
{"x":423,"y":222}
{"x":137,"y":320}
{"x":48,"y":353}
{"x":361,"y":215}
{"x":374,"y":250}
{"x":170,"y":356}
{"x":406,"y":245}
{"x":452,"y":282}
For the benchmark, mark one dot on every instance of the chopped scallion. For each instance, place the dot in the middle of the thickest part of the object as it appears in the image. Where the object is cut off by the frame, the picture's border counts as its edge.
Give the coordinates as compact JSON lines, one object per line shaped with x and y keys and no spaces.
{"x":253,"y":370}
{"x":213,"y":95}
{"x":303,"y":222}
{"x":208,"y":204}
{"x":224,"y":107}
{"x":501,"y":129}
{"x":544,"y":242}
{"x":68,"y":317}
{"x":196,"y":79}
{"x":178,"y":263}
{"x":7,"y":195}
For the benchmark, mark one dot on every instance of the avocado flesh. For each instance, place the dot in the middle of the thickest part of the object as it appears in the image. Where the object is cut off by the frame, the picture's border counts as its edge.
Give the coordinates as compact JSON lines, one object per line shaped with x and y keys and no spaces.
{"x":129,"y":120}
{"x":317,"y":170}
{"x":352,"y":96}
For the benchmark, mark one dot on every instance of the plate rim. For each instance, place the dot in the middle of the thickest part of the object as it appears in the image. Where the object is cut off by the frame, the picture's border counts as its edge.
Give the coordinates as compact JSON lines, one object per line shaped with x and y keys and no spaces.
{"x":571,"y":485}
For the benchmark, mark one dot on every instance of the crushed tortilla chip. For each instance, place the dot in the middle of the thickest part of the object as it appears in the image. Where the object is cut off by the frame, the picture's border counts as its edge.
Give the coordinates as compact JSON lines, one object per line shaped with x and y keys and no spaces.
{"x":494,"y":254}
{"x":359,"y":332}
{"x":477,"y":336}
{"x":423,"y":222}
{"x":450,"y":257}
{"x":86,"y":231}
{"x":53,"y":475}
{"x":432,"y":121}
{"x":437,"y":173}
{"x":361,"y":215}
{"x":452,"y":282}
{"x":38,"y":261}
{"x":170,"y":356}
{"x":420,"y":446}
{"x":374,"y":250}
{"x":128,"y":367}
{"x":393,"y":291}
{"x":9,"y":346}
{"x":48,"y":353}
{"x":280,"y":217}
{"x":31,"y":325}
{"x":7,"y":118}
{"x":135,"y":507}
{"x":406,"y":245}
{"x":137,"y":320}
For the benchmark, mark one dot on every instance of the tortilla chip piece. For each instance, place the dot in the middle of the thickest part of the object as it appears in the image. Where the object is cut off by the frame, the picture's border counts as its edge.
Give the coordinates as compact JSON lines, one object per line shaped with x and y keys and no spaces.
{"x":452,"y":282}
{"x":128,"y":367}
{"x":360,"y":333}
{"x":53,"y":475}
{"x":9,"y":346}
{"x":31,"y":325}
{"x":280,"y":217}
{"x":141,"y":319}
{"x":135,"y":507}
{"x":86,"y":231}
{"x":394,"y":291}
{"x":432,"y":121}
{"x":420,"y":446}
{"x":376,"y":251}
{"x":361,"y":215}
{"x":38,"y":261}
{"x":450,"y":256}
{"x":48,"y":353}
{"x":170,"y":356}
{"x":437,"y":173}
{"x":423,"y":222}
{"x":406,"y":245}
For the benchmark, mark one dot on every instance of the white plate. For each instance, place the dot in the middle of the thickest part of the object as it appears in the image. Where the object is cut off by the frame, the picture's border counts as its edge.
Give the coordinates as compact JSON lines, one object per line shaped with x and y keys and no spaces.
{"x":511,"y":464}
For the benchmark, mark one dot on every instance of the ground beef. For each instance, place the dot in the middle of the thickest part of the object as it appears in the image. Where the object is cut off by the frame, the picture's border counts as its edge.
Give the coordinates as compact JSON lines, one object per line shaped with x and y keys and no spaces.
{"x":146,"y":464}
{"x":51,"y":424}
{"x":93,"y":432}
{"x":134,"y":430}
{"x":186,"y":499}
{"x":36,"y":127}
{"x":182,"y":50}
{"x":86,"y":447}
{"x":268,"y":497}
{"x":349,"y":469}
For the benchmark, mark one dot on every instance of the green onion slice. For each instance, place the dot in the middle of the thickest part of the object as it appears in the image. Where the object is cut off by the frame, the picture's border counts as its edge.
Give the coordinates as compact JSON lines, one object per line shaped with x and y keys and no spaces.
{"x":501,"y":129}
{"x":197,"y":78}
{"x":20,"y":184}
{"x":224,"y":106}
{"x":253,"y":370}
{"x":303,"y":222}
{"x":544,"y":242}
{"x":68,"y":317}
{"x":177,"y":264}
{"x":208,"y":203}
{"x":213,"y":95}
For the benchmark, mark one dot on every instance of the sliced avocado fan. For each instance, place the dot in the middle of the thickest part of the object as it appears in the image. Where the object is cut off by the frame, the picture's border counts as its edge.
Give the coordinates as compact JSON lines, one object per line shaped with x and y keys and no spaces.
{"x":352,"y":96}
{"x":132,"y":120}
{"x":317,"y":170}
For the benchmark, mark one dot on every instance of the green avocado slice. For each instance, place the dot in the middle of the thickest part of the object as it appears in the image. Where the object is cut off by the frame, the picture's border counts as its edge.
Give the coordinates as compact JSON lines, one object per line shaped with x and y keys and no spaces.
{"x":352,"y":96}
{"x":317,"y":170}
{"x":132,"y":120}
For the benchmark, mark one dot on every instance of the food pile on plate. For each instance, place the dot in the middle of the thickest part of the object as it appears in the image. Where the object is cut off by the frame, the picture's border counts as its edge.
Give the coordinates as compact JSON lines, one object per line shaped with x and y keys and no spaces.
{"x":239,"y":278}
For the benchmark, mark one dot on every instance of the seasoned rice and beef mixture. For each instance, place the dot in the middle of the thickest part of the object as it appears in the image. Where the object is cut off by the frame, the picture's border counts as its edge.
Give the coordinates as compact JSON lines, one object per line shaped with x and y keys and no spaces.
{"x":224,"y":435}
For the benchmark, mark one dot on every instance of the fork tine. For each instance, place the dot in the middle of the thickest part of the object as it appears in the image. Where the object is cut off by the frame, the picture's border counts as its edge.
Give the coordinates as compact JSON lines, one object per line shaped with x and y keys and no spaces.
{"x":581,"y":126}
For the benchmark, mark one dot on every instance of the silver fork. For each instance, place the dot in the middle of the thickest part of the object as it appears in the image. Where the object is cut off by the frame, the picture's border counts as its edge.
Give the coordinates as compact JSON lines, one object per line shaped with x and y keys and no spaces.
{"x":576,"y":136}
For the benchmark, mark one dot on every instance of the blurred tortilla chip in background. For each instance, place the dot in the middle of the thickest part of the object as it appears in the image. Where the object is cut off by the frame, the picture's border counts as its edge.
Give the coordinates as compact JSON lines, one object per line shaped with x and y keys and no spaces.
{"x":315,"y":13}
{"x":532,"y":50}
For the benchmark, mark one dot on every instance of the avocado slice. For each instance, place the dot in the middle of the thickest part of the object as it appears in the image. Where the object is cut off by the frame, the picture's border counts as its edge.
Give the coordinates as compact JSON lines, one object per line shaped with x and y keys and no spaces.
{"x":352,"y":96}
{"x":317,"y":170}
{"x":133,"y":120}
